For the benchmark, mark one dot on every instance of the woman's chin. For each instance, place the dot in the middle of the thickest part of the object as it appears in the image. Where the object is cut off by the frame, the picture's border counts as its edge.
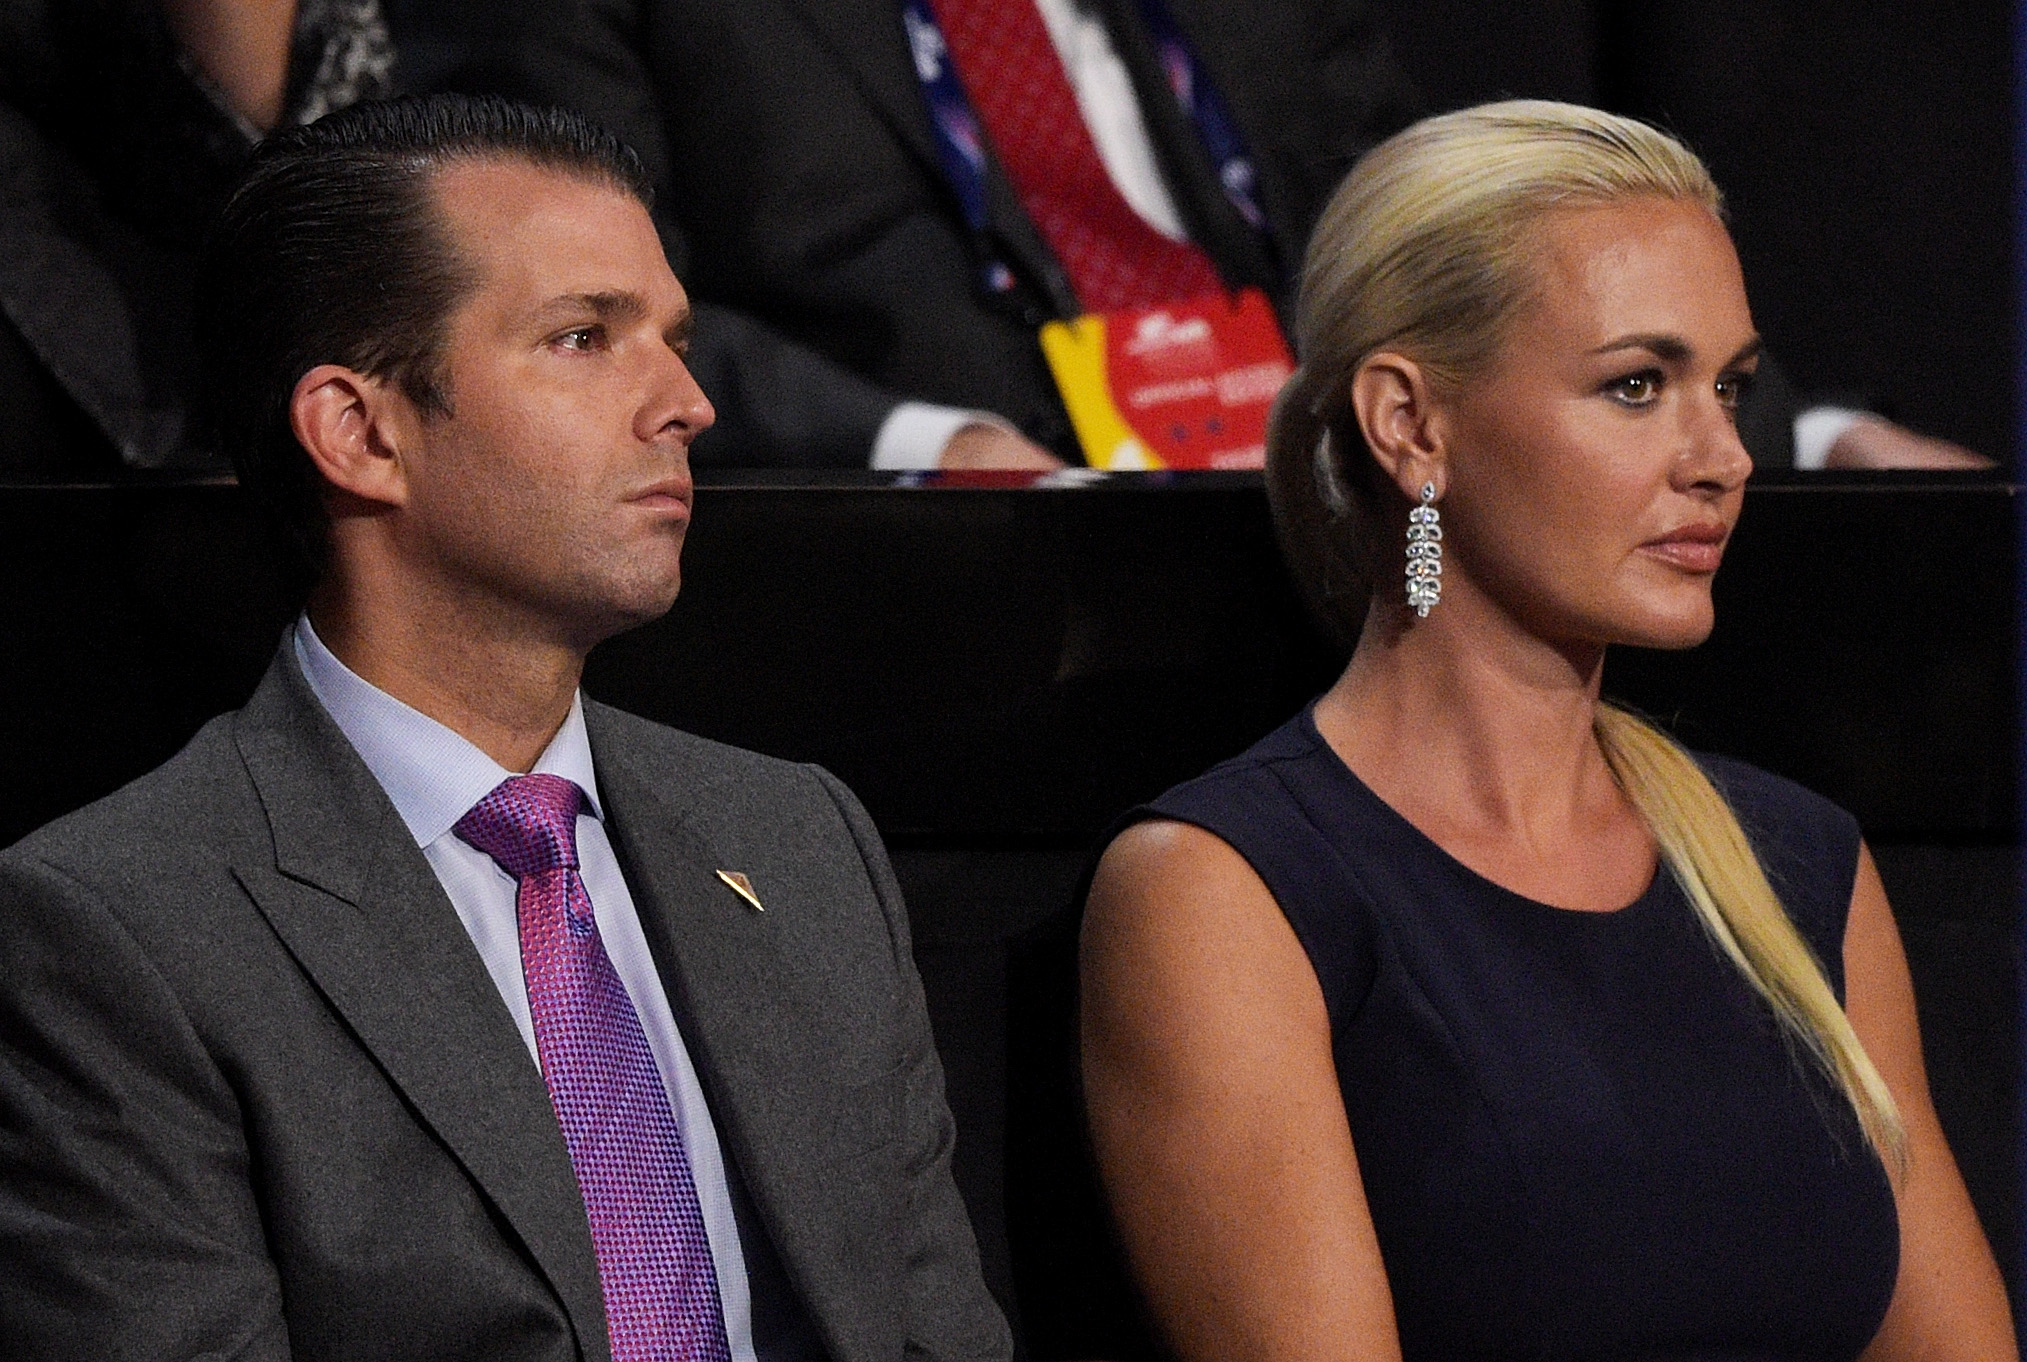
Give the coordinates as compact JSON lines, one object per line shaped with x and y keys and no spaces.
{"x":1668,"y":631}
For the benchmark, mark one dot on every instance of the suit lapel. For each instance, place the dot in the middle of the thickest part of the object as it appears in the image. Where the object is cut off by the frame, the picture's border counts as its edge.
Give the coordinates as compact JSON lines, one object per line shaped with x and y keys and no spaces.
{"x":870,"y":42}
{"x":75,"y":312}
{"x":1241,"y":254}
{"x":739,"y":1001}
{"x":358,"y":906}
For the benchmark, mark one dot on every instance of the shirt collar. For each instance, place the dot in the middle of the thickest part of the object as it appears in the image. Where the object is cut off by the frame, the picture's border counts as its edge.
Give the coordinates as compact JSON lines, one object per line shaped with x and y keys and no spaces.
{"x":432,"y":774}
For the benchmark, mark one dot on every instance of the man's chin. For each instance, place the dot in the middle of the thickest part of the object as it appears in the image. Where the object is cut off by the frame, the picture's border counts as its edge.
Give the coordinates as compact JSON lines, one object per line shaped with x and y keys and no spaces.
{"x":645,"y":607}
{"x":617,"y":612}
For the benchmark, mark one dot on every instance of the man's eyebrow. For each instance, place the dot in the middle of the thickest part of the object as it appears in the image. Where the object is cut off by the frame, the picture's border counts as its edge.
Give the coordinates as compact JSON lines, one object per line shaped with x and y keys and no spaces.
{"x":616,"y":306}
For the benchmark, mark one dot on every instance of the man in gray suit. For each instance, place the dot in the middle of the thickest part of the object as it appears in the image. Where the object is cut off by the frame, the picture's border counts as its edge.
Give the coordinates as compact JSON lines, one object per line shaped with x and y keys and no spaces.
{"x":422,"y":1008}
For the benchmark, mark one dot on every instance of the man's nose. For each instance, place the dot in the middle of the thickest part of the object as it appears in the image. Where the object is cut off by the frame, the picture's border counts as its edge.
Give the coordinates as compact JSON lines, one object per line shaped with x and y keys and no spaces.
{"x":677,"y":404}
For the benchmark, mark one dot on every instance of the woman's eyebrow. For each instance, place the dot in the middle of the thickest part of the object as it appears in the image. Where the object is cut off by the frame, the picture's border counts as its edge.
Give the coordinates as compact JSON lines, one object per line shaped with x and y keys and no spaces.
{"x":1672,"y":348}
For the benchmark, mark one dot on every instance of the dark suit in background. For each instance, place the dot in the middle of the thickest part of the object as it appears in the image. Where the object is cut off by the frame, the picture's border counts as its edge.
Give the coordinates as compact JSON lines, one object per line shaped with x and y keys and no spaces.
{"x":113,"y":161}
{"x":791,"y":148}
{"x":111,"y":164}
{"x":260,"y":1098}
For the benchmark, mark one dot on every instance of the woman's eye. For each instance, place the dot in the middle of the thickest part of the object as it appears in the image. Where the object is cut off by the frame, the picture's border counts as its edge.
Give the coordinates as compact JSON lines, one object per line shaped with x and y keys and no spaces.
{"x":1636,"y":390}
{"x":1732,"y":388}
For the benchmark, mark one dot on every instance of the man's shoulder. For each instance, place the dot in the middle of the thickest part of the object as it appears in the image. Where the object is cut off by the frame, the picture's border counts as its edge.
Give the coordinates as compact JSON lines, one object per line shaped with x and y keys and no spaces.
{"x":719,"y":788}
{"x":657,"y":750}
{"x":199,"y":806}
{"x":794,"y":828}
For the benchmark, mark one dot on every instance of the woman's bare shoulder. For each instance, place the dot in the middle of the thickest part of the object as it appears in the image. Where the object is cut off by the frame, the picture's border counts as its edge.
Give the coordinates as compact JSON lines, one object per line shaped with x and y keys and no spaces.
{"x":1173,"y":864}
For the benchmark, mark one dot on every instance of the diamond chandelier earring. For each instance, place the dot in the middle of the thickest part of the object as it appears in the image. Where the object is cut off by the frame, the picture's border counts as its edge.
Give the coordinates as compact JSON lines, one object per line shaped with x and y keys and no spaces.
{"x":1425,"y":554}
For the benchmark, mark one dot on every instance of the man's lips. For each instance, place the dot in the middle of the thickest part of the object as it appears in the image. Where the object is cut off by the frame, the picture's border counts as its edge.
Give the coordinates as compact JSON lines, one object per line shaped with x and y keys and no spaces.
{"x":1693,"y":548}
{"x":672,"y":496}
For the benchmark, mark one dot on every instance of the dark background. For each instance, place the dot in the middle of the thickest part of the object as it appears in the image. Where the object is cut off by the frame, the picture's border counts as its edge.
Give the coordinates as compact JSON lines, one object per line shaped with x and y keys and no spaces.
{"x":1866,"y":150}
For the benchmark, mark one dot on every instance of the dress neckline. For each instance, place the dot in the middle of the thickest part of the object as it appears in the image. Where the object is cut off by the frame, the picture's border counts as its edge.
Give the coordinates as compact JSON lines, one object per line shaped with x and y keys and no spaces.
{"x":1405,"y":829}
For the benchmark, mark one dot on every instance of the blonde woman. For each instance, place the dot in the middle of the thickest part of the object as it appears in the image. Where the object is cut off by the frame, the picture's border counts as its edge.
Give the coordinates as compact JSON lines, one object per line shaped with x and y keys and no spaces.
{"x":1465,"y":1016}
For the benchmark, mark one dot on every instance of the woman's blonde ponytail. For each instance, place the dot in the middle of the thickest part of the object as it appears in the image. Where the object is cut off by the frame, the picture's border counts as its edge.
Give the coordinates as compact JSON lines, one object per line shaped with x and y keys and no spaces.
{"x":1315,"y":514}
{"x":1706,"y":850}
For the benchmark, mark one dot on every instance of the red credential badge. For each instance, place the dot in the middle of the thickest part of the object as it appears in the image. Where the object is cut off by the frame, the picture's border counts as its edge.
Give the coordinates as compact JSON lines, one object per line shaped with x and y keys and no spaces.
{"x":1184,"y":385}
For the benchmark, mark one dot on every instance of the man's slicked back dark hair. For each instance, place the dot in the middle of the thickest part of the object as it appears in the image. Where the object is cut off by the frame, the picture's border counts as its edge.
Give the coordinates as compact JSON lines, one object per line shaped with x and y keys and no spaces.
{"x":331,"y":251}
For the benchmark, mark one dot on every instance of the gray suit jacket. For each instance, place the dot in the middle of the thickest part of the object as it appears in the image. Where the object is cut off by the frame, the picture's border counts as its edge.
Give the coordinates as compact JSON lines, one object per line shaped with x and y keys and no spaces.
{"x":260,"y":1099}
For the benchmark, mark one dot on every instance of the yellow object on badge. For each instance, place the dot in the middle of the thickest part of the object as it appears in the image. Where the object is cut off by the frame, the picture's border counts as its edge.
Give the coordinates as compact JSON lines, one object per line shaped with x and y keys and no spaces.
{"x":1187,"y":385}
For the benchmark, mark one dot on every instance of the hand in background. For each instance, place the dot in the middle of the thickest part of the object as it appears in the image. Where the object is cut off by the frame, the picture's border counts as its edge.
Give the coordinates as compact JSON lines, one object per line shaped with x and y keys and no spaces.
{"x":1875,"y":442}
{"x":979,"y":445}
{"x":242,"y":48}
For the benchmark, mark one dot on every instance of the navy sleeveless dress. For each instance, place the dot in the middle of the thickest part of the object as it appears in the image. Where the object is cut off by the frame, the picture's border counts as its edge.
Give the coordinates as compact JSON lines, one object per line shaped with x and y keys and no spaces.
{"x":1581,"y":1134}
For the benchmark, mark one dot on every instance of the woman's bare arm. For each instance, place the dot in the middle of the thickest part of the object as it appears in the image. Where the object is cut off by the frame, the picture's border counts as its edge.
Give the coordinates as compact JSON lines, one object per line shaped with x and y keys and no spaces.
{"x":1215,"y":1110}
{"x":242,"y":46}
{"x":1949,"y":1302}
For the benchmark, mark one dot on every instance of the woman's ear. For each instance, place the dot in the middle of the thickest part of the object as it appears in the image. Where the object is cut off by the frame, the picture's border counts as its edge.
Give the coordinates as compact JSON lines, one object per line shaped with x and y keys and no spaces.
{"x":1396,"y":408}
{"x":354,"y":428}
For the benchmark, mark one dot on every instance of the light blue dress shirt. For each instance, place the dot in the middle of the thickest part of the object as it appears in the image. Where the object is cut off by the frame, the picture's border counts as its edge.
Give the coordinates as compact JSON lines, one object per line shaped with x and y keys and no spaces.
{"x":433,"y":776}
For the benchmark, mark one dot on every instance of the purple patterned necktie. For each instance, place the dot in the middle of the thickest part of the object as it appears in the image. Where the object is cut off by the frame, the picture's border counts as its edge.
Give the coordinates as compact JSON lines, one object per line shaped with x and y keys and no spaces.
{"x":647,"y":1228}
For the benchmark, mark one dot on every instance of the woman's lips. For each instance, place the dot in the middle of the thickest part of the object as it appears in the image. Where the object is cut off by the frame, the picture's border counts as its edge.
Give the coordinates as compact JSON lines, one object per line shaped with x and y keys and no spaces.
{"x":1694,"y":548}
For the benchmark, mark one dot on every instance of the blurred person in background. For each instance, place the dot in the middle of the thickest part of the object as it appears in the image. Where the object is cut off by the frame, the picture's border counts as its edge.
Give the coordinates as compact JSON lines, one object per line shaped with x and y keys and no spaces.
{"x":1131,"y":150}
{"x":853,"y":310}
{"x":915,"y":188}
{"x":122,"y":123}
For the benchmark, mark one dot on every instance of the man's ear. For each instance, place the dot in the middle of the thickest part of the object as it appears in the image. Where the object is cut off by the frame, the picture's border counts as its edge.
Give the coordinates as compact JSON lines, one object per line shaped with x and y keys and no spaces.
{"x":355,"y":429}
{"x":1396,"y":408}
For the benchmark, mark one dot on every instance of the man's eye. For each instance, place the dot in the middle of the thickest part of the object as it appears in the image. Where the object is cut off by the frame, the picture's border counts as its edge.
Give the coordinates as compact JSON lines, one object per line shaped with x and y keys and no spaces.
{"x":1636,"y":390}
{"x":581,"y":338}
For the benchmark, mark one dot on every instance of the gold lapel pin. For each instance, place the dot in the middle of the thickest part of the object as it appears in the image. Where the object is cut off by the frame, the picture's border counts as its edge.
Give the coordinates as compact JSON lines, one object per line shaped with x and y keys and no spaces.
{"x":743,"y":887}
